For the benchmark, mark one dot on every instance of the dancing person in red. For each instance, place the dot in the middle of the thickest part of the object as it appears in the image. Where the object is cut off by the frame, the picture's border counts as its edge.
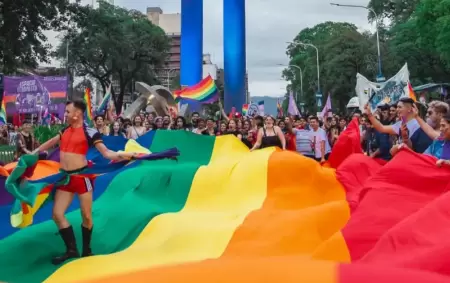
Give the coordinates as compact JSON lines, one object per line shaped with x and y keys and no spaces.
{"x":75,"y":140}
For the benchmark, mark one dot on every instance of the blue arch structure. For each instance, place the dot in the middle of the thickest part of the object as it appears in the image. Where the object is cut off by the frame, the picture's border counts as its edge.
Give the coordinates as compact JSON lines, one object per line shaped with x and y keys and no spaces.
{"x":191,"y":45}
{"x":234,"y":53}
{"x":234,"y":49}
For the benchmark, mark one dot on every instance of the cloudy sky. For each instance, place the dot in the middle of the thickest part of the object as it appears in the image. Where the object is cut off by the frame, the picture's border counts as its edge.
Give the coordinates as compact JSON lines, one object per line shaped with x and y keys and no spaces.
{"x":270,"y":24}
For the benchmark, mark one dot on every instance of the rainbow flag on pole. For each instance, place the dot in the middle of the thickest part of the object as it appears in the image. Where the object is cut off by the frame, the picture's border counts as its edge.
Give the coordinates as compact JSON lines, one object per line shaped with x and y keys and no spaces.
{"x":244,"y":109}
{"x":101,"y":109}
{"x":88,"y":114}
{"x":411,"y":92}
{"x":204,"y":92}
{"x":3,"y":113}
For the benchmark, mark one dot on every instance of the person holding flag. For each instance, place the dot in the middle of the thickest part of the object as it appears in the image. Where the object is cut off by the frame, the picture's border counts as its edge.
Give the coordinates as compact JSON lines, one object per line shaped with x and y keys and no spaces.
{"x":75,"y":140}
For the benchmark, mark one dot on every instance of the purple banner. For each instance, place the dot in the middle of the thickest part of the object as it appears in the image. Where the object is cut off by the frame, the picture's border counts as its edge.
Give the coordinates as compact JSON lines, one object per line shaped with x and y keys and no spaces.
{"x":33,"y":94}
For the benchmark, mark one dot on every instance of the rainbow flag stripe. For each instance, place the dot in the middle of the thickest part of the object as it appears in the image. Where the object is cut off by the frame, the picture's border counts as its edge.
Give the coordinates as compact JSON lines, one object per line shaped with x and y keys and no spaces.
{"x":411,"y":92}
{"x":244,"y":109}
{"x":3,"y":117}
{"x":205,"y":91}
{"x":101,"y":109}
{"x":223,"y":214}
{"x":89,"y":118}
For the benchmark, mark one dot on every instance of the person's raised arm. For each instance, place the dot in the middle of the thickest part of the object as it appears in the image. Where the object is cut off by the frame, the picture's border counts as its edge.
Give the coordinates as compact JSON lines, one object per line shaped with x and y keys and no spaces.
{"x":48,"y":144}
{"x":258,"y":140}
{"x":432,"y":133}
{"x":281,"y":137}
{"x":377,"y":124}
{"x":109,"y":154}
{"x":222,"y":111}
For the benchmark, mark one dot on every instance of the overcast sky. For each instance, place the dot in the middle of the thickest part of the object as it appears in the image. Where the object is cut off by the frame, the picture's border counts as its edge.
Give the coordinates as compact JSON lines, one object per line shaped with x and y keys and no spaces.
{"x":270,"y":24}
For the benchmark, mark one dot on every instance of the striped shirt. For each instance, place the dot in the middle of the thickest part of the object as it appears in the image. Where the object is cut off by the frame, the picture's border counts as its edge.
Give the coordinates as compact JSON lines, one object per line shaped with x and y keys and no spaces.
{"x":303,"y":141}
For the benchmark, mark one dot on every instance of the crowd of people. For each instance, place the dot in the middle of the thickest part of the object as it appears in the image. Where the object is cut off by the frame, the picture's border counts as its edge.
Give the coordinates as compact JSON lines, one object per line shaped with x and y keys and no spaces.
{"x":382,"y":133}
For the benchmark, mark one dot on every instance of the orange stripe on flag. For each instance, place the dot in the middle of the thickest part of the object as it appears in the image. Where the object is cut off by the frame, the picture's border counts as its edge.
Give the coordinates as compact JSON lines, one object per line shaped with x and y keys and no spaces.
{"x":295,"y":218}
{"x":237,"y":270}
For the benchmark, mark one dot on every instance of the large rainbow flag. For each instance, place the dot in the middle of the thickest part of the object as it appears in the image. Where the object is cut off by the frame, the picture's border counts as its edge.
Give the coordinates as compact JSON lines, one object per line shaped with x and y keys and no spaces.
{"x":205,"y":92}
{"x":224,"y":214}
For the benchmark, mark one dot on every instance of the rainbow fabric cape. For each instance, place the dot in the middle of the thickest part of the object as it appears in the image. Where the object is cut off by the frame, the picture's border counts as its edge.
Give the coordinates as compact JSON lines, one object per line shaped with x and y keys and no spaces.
{"x":89,"y":118}
{"x":204,"y":92}
{"x":224,"y":214}
{"x":3,"y":117}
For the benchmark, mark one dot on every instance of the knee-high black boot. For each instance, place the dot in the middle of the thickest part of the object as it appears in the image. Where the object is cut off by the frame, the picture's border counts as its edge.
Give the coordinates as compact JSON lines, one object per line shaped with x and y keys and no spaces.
{"x":87,"y":234}
{"x":71,"y":246}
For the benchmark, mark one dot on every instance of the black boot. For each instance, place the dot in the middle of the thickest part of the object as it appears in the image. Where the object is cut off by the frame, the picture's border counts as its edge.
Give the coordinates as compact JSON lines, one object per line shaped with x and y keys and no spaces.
{"x":87,"y":234}
{"x":71,"y":246}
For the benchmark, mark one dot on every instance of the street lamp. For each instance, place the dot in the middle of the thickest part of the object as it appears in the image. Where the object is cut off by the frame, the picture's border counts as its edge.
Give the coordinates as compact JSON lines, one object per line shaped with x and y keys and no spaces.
{"x":380,"y":77}
{"x":301,"y":78}
{"x":318,"y":94}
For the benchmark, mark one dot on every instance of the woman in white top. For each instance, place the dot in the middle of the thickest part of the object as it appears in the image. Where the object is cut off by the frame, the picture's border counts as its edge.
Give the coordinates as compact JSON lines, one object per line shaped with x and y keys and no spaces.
{"x":137,"y":129}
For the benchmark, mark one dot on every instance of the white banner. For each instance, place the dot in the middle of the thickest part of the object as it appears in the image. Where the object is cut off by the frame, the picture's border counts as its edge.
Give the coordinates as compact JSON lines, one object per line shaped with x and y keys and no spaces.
{"x":387,"y":92}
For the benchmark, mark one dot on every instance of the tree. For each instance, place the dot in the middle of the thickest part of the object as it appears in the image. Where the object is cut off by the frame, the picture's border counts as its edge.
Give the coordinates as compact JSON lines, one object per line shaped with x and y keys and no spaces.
{"x":423,"y":42}
{"x":175,"y":82}
{"x":113,"y":42}
{"x":343,"y":52}
{"x":432,"y":23}
{"x":22,"y":23}
{"x":398,"y":11}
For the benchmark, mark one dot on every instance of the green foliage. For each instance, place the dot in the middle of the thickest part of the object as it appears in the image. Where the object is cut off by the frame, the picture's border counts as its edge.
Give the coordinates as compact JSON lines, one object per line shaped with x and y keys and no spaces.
{"x":113,"y":42}
{"x":343,"y":52}
{"x":397,"y":11}
{"x":418,"y":34}
{"x":22,"y":22}
{"x":44,"y":133}
{"x":423,"y":41}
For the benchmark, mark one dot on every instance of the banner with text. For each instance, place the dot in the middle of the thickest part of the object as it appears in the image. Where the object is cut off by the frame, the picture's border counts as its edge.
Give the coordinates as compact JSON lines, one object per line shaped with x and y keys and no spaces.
{"x":387,"y":92}
{"x":33,"y":94}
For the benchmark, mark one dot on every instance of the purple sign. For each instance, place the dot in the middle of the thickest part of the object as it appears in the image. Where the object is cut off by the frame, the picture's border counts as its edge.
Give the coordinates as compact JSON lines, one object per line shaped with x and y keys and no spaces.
{"x":33,"y":94}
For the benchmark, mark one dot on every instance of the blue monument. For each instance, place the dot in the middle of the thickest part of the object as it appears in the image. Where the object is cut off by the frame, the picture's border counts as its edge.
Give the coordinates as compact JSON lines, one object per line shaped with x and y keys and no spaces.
{"x":234,"y":48}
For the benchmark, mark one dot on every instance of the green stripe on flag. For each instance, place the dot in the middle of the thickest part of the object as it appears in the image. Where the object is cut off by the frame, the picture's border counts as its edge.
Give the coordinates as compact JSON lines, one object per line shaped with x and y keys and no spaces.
{"x":130,"y":202}
{"x":193,"y":147}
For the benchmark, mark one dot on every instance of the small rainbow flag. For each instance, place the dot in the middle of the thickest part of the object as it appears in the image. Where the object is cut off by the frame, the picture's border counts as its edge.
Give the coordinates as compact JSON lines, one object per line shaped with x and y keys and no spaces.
{"x":411,"y":92}
{"x":244,"y":109}
{"x":204,"y":92}
{"x":3,"y":113}
{"x":101,"y":109}
{"x":88,"y":115}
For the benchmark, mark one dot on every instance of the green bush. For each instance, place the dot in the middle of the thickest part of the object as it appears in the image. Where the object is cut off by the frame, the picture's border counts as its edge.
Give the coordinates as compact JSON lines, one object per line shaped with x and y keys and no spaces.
{"x":44,"y":133}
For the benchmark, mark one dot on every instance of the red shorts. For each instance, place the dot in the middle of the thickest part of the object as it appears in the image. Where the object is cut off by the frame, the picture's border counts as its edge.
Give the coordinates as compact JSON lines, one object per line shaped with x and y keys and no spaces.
{"x":78,"y":184}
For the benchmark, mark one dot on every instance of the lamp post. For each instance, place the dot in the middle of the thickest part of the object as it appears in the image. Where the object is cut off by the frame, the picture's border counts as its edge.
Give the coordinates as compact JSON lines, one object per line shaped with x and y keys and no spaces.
{"x":301,"y":79}
{"x":319,"y":93}
{"x":380,"y":77}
